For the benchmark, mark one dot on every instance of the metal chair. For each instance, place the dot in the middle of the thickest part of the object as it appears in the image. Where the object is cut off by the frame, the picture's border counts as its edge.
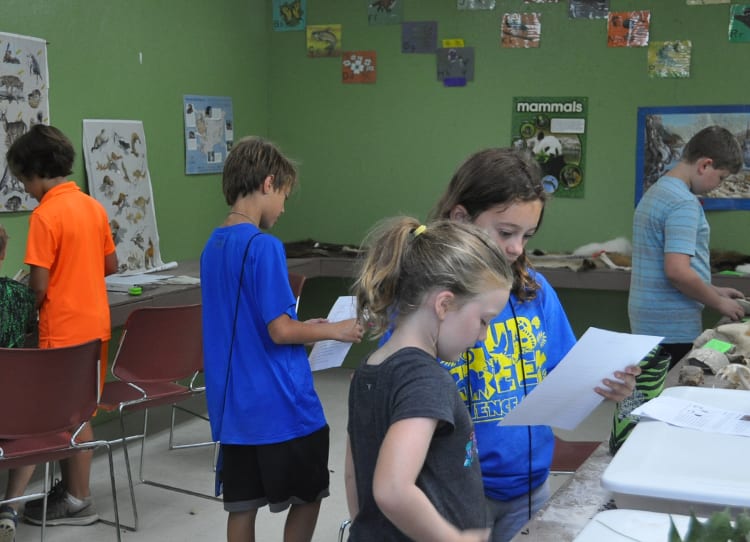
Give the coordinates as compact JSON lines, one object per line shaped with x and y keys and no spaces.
{"x":49,"y":395}
{"x":160,"y":348}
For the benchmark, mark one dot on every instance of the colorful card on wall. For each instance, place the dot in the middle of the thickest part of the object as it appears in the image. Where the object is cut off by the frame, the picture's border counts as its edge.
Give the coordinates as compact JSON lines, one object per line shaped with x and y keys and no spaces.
{"x":358,"y":67}
{"x":669,"y":59}
{"x":419,"y":37}
{"x":455,"y":65}
{"x":628,"y":28}
{"x":209,"y":132}
{"x":385,"y":11}
{"x":323,"y":40}
{"x":739,"y":22}
{"x":520,"y":30}
{"x":554,"y":130}
{"x":588,"y":9}
{"x":24,"y":99}
{"x":289,"y":15}
{"x":475,"y":4}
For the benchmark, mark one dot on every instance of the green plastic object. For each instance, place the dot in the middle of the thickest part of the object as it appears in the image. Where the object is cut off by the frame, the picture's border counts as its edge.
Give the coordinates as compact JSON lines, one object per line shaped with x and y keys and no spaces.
{"x":719,"y":346}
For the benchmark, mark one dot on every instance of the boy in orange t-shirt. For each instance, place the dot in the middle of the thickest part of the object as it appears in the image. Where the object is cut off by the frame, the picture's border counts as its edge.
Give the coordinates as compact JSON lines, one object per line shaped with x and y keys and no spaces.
{"x":69,"y":251}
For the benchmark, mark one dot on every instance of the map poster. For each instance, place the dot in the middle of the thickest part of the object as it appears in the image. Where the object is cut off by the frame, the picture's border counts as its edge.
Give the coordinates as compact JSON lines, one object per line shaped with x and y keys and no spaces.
{"x":24,"y":101}
{"x":554,"y":131}
{"x":117,"y":169}
{"x":209,"y":133}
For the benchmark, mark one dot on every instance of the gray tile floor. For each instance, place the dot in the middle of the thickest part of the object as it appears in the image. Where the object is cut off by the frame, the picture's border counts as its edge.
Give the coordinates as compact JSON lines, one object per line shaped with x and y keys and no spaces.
{"x":170,"y":516}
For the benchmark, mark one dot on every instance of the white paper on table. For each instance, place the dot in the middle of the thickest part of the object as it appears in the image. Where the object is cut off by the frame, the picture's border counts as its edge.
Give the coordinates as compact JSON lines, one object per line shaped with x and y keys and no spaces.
{"x":685,"y":413}
{"x":326,"y":354}
{"x":121,"y":283}
{"x":566,"y":396}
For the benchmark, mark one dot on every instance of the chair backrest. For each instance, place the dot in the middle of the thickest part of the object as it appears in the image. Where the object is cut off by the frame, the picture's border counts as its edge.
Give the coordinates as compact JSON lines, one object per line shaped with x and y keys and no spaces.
{"x":160,"y":344}
{"x":49,"y":390}
{"x":296,"y":281}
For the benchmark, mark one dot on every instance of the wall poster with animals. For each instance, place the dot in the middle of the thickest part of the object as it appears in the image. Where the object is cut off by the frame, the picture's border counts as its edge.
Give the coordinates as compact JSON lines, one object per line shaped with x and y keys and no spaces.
{"x":664,"y":131}
{"x":117,"y":170}
{"x":554,"y":131}
{"x":24,"y":101}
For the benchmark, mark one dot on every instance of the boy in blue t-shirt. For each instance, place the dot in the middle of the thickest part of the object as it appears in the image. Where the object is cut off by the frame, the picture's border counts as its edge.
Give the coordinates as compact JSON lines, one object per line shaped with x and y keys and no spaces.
{"x":259,"y":387}
{"x":671,"y":278}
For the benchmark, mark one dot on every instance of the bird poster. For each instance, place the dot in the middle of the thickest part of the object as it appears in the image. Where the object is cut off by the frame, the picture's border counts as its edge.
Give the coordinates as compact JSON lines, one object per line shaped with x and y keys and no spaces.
{"x":384,"y":11}
{"x":669,"y":59}
{"x":739,"y":22}
{"x":520,"y":30}
{"x":24,"y":101}
{"x":323,"y":40}
{"x":117,"y":169}
{"x":628,"y":28}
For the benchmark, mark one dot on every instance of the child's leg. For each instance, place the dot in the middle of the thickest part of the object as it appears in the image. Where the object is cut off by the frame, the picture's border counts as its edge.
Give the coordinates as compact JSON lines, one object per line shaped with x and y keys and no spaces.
{"x":300,"y":522}
{"x":241,"y":526}
{"x":18,"y":479}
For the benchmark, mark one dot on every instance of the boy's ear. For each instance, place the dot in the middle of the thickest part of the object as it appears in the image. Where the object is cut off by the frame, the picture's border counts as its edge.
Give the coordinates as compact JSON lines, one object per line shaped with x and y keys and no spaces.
{"x":460,"y":214}
{"x":703,"y":163}
{"x":268,"y":184}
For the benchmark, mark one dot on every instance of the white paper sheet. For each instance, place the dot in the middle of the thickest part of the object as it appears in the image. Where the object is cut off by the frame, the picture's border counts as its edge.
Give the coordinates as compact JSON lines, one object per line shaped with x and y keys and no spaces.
{"x":326,"y":354}
{"x":121,"y":283}
{"x":566,"y":396}
{"x":686,"y":413}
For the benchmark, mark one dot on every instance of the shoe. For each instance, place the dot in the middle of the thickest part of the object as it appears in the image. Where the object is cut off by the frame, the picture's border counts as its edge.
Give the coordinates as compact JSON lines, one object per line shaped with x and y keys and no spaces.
{"x":57,"y":491}
{"x":60,"y":511}
{"x":8,"y":522}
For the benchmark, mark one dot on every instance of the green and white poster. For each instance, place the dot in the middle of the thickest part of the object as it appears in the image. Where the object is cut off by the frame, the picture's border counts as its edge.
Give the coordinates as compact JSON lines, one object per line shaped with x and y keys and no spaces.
{"x":554,"y":131}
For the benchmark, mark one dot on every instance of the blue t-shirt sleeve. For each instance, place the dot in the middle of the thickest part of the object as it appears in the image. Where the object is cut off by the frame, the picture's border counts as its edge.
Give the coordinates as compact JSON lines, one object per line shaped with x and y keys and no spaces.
{"x":271,"y":286}
{"x":681,"y":228}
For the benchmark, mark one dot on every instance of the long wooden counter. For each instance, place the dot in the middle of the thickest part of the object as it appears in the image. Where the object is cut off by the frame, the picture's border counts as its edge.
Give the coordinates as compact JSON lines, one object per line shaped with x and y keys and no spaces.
{"x":595,"y":279}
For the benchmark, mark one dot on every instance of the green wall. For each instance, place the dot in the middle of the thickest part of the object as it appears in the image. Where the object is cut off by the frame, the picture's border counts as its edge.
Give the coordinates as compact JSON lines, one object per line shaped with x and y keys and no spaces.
{"x":188,"y":47}
{"x":368,"y":151}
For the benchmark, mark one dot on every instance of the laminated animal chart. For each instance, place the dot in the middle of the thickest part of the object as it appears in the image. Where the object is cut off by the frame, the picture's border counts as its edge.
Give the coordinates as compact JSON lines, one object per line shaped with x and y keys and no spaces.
{"x":24,"y":101}
{"x":118,"y":177}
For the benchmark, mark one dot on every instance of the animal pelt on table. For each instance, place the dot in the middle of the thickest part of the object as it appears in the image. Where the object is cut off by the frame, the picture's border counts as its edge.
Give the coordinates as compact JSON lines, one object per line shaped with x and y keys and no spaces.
{"x":310,"y":248}
{"x":727,"y":260}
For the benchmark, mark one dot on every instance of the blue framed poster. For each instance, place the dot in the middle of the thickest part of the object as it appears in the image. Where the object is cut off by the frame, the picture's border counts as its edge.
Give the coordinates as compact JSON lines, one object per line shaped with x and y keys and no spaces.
{"x":664,"y":131}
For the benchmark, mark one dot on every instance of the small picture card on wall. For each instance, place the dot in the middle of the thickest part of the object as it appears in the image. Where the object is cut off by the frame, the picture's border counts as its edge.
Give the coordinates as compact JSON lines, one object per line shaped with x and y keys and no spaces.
{"x":455,"y":65}
{"x":739,"y":22}
{"x":419,"y":37}
{"x":475,"y":4}
{"x":323,"y":40}
{"x":520,"y":30}
{"x":628,"y":28}
{"x":385,"y":11}
{"x":669,"y":59}
{"x":588,"y":9}
{"x":358,"y":67}
{"x":289,"y":15}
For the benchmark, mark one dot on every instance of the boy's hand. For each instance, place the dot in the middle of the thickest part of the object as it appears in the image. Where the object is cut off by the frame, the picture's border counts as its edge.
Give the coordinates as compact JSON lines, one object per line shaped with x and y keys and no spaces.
{"x":617,"y":390}
{"x":475,"y":535}
{"x":730,"y":308}
{"x":349,"y":331}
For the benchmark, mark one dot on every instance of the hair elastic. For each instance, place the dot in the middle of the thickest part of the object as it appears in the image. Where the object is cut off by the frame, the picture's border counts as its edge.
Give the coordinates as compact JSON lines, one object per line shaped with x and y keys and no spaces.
{"x":419,"y":231}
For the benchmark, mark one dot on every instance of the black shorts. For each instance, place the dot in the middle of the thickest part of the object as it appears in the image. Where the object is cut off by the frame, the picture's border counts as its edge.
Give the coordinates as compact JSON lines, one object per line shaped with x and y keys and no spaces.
{"x":279,"y":475}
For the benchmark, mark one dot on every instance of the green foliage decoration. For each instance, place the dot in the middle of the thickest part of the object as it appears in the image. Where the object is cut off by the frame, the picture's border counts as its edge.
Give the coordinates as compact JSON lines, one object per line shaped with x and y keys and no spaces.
{"x":718,"y":528}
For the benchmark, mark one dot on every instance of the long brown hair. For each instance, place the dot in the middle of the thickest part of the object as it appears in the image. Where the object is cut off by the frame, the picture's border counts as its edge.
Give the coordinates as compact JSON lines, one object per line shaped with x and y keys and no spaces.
{"x":496,"y":177}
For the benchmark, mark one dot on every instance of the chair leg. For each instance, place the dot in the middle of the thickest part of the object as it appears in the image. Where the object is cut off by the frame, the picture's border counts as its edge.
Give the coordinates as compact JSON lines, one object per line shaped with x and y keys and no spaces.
{"x":172,"y":445}
{"x":126,"y":454}
{"x":342,"y":529}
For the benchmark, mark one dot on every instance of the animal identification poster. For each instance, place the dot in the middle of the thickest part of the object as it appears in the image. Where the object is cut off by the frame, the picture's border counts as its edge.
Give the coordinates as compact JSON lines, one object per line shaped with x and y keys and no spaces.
{"x":664,"y":131}
{"x":289,"y":16}
{"x":24,"y":101}
{"x":209,"y":133}
{"x":554,"y":130}
{"x":117,"y":169}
